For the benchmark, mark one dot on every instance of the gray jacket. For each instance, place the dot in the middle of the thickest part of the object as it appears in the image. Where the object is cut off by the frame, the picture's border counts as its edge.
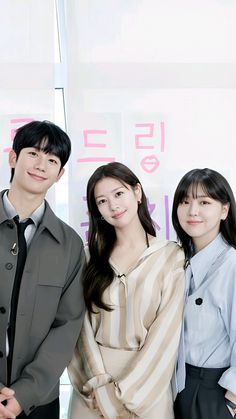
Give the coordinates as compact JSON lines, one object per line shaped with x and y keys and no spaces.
{"x":50,"y":307}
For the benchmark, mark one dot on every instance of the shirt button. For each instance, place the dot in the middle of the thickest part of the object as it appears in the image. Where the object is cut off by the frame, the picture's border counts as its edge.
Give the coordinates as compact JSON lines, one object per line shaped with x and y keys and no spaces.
{"x":2,"y":310}
{"x":199,"y":301}
{"x":8,"y":266}
{"x":10,"y":225}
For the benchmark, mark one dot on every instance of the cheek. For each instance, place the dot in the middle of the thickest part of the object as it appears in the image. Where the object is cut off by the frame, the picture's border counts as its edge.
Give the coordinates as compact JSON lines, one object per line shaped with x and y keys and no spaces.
{"x":135,"y":203}
{"x":99,"y":210}
{"x":181,"y":215}
{"x":102,"y":210}
{"x":100,"y":213}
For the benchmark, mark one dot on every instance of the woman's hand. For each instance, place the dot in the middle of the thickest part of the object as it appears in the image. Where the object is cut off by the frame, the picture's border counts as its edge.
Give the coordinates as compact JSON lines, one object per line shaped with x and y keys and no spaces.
{"x":231,"y":411}
{"x":6,"y":394}
{"x":232,"y":399}
{"x":95,"y":405}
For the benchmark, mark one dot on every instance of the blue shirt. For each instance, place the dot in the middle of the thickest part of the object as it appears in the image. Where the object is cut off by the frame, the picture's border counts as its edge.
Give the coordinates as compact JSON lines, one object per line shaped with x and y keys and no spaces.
{"x":210,"y":312}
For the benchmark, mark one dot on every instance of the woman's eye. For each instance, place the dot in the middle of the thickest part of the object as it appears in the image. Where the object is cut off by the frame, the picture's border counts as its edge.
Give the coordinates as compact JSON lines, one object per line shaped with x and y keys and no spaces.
{"x":119,"y":193}
{"x":101,"y":201}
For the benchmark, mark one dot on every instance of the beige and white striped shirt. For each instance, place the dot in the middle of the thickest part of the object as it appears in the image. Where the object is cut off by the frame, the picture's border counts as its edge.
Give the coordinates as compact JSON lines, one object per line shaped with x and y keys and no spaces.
{"x":147,"y":311}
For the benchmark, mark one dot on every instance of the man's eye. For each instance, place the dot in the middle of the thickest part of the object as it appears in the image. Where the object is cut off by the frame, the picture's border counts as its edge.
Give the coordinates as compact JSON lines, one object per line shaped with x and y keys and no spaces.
{"x":53,"y":161}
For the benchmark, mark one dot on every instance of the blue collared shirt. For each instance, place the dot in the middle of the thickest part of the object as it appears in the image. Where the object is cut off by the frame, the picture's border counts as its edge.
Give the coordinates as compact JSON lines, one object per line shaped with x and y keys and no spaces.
{"x":210,"y":312}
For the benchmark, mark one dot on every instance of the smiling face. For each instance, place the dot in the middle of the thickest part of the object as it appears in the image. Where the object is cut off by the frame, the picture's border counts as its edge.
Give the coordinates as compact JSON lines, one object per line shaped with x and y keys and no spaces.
{"x":117,"y":202}
{"x":200,"y":217}
{"x":34,"y":170}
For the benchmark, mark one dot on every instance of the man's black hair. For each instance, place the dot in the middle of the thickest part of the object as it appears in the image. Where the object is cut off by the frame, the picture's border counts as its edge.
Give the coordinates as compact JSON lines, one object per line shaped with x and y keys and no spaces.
{"x":45,"y":136}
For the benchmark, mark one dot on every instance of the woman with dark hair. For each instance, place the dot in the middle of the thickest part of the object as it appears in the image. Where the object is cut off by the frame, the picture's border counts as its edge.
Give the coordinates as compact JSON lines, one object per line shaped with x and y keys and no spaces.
{"x":204,"y":217}
{"x":134,"y":292}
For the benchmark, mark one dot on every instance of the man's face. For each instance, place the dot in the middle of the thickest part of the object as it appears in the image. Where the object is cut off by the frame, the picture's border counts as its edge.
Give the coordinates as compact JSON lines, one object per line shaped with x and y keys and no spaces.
{"x":35,"y":171}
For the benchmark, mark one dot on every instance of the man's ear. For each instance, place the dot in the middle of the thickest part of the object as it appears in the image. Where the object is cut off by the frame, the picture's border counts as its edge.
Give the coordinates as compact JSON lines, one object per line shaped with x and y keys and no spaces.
{"x":12,"y":159}
{"x":62,"y":171}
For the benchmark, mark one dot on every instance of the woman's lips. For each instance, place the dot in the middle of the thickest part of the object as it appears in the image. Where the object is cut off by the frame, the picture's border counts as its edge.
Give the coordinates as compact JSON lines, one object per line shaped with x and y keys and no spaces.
{"x":118,"y":215}
{"x":194,"y":222}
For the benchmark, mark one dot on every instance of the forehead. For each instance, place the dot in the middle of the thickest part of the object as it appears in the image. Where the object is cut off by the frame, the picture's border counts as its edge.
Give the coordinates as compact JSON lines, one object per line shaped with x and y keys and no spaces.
{"x":196,"y":190}
{"x":108,"y":185}
{"x":39,"y":150}
{"x":44,"y":144}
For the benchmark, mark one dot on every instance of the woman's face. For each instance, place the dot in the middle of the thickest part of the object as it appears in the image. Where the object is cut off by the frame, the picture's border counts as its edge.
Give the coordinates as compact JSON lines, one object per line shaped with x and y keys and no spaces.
{"x":117,"y":202}
{"x":200,"y":217}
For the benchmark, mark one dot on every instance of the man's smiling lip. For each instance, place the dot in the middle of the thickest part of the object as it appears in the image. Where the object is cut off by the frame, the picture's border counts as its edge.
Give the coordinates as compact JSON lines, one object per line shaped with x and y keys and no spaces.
{"x":37,"y":177}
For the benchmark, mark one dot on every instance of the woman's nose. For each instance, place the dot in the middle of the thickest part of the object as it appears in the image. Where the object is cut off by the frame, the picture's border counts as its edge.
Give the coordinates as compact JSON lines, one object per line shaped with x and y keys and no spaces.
{"x":193,"y":209}
{"x":114,"y":206}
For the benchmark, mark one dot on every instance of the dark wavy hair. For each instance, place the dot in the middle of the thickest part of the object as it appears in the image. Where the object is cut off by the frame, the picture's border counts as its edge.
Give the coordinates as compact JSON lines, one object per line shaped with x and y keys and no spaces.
{"x":102,"y":237}
{"x":45,"y":136}
{"x":216,"y":187}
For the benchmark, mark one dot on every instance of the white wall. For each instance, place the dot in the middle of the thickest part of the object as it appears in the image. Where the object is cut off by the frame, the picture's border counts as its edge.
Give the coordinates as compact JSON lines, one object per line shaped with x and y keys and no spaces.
{"x":146,"y":62}
{"x":26,"y":70}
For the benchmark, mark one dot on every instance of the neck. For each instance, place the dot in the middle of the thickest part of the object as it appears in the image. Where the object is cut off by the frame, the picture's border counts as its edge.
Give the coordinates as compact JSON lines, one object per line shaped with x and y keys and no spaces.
{"x":24,"y":203}
{"x":200,"y":243}
{"x":130,"y":237}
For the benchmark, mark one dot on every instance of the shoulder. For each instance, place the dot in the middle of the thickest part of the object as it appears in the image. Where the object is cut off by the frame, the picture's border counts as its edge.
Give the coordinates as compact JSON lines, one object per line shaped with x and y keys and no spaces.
{"x":228,"y":259}
{"x":59,"y":229}
{"x":175,"y":255}
{"x":176,"y":249}
{"x":167,"y":247}
{"x":169,"y":252}
{"x":70,"y":243}
{"x":69,"y":231}
{"x":223,"y":272}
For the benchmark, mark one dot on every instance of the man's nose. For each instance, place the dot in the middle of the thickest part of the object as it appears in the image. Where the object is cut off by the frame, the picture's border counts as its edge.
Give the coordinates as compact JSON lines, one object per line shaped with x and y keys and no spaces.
{"x":41,"y":163}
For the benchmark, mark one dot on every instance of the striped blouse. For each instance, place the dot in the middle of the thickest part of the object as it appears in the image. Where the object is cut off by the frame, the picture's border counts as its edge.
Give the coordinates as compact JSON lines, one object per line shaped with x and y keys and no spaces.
{"x":147,"y":311}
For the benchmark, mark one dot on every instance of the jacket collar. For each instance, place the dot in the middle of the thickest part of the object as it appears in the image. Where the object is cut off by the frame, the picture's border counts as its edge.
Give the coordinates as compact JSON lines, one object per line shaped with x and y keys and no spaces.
{"x":155,"y":245}
{"x":52,"y":223}
{"x":3,"y":215}
{"x":49,"y":221}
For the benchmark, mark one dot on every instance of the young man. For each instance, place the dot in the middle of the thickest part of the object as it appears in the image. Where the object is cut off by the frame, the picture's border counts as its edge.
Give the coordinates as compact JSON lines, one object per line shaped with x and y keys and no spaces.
{"x":41,"y":301}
